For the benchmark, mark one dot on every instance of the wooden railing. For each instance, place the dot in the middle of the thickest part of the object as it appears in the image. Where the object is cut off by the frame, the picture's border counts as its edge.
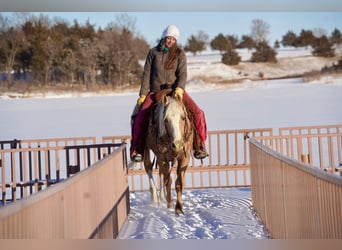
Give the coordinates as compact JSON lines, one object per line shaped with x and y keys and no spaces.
{"x":28,"y":166}
{"x":320,"y":150}
{"x":297,"y":200}
{"x":226,"y":166}
{"x":41,"y":163}
{"x":309,"y":130}
{"x":92,"y":204}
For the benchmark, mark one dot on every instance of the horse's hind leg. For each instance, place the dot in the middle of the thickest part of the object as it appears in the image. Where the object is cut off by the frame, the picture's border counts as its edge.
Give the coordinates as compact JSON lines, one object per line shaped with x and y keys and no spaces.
{"x":149,"y":171}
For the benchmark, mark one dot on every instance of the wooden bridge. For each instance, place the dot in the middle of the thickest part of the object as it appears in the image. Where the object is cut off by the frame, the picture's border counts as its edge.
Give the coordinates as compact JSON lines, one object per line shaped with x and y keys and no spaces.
{"x":79,"y":187}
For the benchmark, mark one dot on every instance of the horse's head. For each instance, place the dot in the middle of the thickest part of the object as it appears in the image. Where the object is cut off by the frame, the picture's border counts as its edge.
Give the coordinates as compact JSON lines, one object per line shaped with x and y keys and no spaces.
{"x":173,"y":121}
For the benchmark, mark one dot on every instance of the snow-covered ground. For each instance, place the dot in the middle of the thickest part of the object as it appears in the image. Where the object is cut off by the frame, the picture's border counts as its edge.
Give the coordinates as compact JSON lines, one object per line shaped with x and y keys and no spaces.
{"x":209,"y":214}
{"x":216,"y":213}
{"x":276,"y":103}
{"x":291,"y":62}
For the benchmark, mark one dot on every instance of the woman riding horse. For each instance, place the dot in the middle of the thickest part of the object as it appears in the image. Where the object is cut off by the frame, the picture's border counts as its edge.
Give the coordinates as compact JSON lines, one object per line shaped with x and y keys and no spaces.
{"x":165,"y":67}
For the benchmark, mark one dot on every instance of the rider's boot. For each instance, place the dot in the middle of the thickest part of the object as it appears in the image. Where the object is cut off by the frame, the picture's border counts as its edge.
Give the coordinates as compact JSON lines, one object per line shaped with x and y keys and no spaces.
{"x":200,"y":151}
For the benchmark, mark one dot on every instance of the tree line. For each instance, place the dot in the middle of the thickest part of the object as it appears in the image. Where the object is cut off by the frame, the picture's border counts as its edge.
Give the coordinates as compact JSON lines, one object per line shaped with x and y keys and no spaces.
{"x":321,"y":43}
{"x":47,"y":52}
{"x":50,"y":52}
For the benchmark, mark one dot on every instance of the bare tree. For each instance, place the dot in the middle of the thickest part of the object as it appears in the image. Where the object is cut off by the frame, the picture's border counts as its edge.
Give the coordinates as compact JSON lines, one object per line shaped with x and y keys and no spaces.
{"x":319,"y":32}
{"x":89,"y":62}
{"x":11,"y":41}
{"x":59,"y":52}
{"x":119,"y":53}
{"x":37,"y":32}
{"x":259,"y":30}
{"x":201,"y":35}
{"x":126,"y":22}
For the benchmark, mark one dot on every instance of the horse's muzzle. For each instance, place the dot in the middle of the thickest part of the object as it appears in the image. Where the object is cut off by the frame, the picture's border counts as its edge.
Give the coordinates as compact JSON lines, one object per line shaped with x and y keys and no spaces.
{"x":177,"y":146}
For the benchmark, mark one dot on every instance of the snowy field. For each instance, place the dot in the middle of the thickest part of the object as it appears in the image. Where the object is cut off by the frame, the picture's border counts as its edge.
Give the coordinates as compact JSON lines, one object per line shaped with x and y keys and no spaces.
{"x":209,"y":214}
{"x":254,"y":104}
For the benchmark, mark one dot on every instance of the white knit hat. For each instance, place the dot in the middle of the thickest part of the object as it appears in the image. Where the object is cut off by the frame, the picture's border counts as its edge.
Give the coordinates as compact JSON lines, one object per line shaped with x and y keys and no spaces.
{"x":171,"y":30}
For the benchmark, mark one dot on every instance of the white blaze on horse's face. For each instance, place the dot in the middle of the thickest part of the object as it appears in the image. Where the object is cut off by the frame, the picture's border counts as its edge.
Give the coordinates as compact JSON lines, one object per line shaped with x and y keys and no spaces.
{"x":174,"y":122}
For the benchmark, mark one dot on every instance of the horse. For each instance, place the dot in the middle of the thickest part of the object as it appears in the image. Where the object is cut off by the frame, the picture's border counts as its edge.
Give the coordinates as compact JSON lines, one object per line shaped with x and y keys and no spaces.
{"x":170,"y":137}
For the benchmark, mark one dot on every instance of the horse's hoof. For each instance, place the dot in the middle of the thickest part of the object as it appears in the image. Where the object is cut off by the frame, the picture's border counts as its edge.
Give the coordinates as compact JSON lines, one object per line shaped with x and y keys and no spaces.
{"x":179,"y":209}
{"x":170,"y":205}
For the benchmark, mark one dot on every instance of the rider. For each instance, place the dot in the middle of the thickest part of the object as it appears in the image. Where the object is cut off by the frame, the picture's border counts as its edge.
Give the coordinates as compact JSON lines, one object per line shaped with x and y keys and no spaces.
{"x":165,"y":67}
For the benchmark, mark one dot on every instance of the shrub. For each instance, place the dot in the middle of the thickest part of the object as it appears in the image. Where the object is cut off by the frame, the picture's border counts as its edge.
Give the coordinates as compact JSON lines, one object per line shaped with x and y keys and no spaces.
{"x":264,"y":53}
{"x":231,"y":57}
{"x":323,"y":47}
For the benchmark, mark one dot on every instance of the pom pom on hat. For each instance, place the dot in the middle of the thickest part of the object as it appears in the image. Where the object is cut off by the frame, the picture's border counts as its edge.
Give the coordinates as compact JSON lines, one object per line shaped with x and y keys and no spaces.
{"x":171,"y":30}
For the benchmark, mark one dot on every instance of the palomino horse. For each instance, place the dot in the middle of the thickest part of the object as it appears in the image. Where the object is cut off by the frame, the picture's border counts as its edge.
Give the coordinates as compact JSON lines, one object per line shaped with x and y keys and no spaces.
{"x":169,"y":136}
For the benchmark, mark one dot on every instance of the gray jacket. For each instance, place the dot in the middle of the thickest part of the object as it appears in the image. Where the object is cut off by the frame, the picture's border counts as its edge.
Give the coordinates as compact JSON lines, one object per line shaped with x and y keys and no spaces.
{"x":155,"y":76}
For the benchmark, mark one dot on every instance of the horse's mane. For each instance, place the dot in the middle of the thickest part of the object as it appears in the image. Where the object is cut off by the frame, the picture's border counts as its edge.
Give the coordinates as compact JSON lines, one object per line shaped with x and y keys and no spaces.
{"x":162,"y":111}
{"x":160,"y":119}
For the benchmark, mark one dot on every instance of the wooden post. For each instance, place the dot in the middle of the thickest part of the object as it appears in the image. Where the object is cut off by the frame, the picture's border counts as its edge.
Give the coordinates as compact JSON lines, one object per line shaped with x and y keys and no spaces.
{"x":305,"y":158}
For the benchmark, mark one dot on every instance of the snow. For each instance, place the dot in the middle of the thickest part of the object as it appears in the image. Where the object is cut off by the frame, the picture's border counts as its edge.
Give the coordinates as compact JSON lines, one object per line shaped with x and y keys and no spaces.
{"x":240,"y":103}
{"x":275,"y":103}
{"x":209,"y":214}
{"x":291,"y":62}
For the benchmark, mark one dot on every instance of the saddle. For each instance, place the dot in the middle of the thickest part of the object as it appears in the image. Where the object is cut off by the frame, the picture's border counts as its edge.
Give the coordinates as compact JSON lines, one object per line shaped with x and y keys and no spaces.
{"x":161,"y":93}
{"x":157,"y":97}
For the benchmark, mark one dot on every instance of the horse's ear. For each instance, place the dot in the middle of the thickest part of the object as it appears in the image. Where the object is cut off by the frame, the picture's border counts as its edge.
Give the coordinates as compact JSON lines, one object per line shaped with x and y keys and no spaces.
{"x":178,"y":98}
{"x":165,"y":100}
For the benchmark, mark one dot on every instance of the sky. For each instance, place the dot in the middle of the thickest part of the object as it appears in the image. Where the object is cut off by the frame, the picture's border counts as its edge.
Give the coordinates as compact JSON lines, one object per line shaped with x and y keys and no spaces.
{"x":151,"y":24}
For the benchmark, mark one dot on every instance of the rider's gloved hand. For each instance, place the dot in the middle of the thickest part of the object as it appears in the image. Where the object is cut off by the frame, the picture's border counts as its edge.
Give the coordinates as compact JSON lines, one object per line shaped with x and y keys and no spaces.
{"x":141,"y":99}
{"x":178,"y":93}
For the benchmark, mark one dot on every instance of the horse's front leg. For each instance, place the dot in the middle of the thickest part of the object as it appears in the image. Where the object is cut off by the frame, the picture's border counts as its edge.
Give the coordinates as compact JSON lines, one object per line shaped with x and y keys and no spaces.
{"x":179,"y":189}
{"x":153,"y":189}
{"x":162,"y":190}
{"x":165,"y":184}
{"x":149,"y":171}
